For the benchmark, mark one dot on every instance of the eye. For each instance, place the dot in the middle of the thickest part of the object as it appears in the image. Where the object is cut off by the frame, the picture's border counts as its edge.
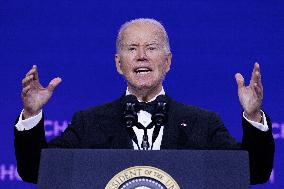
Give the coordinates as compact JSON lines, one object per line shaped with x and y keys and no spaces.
{"x":152,"y":48}
{"x":131,"y":49}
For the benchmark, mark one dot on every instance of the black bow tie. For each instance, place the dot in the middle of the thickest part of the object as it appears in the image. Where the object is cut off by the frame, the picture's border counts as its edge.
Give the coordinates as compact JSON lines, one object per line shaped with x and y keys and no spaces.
{"x":148,"y":107}
{"x":131,"y":104}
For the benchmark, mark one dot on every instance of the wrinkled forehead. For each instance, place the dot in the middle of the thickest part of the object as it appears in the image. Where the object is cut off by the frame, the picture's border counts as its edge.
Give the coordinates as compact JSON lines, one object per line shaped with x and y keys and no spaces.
{"x":142,"y":33}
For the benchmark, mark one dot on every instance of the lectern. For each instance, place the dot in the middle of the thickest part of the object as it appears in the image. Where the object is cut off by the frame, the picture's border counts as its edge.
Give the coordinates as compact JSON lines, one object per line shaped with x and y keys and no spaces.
{"x":131,"y":169}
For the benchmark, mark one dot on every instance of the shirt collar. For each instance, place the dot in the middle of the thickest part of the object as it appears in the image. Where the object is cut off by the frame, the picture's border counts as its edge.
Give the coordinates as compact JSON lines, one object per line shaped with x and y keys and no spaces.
{"x":162,"y":92}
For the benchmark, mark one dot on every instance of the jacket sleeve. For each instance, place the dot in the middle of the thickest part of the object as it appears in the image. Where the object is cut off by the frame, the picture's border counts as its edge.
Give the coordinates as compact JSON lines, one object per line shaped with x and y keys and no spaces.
{"x":29,"y":143}
{"x":259,"y":144}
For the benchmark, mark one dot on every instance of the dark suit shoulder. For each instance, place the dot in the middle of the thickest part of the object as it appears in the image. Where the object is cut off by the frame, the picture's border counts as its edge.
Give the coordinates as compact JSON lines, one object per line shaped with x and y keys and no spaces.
{"x":110,"y":108}
{"x":189,"y":110}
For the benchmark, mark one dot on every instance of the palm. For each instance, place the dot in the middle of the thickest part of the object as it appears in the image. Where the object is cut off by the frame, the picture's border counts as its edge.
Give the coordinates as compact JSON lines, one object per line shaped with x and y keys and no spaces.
{"x":249,"y":99}
{"x":251,"y":96}
{"x":34,"y":95}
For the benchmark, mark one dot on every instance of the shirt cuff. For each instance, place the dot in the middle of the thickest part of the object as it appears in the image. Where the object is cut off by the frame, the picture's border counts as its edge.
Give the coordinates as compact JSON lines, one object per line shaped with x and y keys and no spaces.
{"x":261,"y":126}
{"x":29,"y":123}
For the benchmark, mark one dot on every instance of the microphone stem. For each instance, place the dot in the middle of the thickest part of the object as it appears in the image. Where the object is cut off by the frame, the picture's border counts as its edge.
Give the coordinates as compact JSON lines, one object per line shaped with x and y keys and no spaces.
{"x":145,"y":144}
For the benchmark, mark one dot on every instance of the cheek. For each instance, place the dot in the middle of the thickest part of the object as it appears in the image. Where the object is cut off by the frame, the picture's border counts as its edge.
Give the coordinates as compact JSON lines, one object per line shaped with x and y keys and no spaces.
{"x":126,"y":66}
{"x":161,"y":66}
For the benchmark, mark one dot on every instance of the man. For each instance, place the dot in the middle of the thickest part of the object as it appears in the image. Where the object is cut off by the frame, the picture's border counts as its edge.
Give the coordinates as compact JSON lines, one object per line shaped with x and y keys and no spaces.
{"x":144,"y":58}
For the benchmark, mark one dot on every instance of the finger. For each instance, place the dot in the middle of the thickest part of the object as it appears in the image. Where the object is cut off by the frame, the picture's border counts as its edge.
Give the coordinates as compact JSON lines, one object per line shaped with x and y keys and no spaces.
{"x":256,"y":66}
{"x":32,"y":70}
{"x":26,"y":90}
{"x":54,"y":83}
{"x":27,"y":80}
{"x":240,"y":80}
{"x":36,"y":72}
{"x":258,"y":90}
{"x":258,"y":79}
{"x":255,"y":77}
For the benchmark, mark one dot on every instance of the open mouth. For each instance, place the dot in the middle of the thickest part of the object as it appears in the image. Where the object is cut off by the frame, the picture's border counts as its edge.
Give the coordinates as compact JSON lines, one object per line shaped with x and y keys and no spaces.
{"x":143,"y":70}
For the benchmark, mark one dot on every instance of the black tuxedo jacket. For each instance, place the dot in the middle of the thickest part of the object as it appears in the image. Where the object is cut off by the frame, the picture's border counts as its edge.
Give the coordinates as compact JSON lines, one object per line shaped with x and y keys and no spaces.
{"x":101,"y":127}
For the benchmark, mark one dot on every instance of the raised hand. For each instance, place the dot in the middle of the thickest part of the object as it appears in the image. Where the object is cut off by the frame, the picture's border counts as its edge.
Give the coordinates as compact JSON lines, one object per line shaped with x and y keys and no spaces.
{"x":251,"y":96}
{"x":34,"y":95}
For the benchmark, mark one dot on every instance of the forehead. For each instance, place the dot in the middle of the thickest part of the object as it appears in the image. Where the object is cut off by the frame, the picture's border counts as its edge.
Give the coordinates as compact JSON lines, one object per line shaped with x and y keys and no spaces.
{"x":142,"y":33}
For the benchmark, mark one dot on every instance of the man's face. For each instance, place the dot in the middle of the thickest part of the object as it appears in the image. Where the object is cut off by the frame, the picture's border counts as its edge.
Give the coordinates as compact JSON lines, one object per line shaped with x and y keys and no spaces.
{"x":143,"y":59}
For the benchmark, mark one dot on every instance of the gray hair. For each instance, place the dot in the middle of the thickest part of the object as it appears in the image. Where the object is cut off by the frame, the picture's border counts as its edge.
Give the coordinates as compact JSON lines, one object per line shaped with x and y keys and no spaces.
{"x":143,"y":20}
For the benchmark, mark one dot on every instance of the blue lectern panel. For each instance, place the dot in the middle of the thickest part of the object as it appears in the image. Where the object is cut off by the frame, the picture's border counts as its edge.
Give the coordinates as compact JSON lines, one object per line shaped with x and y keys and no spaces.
{"x":195,"y":169}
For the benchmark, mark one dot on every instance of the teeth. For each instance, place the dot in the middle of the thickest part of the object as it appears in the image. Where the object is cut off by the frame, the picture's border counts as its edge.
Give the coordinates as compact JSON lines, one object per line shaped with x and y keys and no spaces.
{"x":142,"y":70}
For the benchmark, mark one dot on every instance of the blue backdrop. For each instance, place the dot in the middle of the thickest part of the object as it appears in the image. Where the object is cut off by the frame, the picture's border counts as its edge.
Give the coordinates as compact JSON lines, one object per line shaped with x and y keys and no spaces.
{"x":75,"y":40}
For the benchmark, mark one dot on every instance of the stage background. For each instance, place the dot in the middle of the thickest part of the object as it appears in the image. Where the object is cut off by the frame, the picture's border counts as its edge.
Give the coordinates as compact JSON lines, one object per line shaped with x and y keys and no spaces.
{"x":210,"y":42}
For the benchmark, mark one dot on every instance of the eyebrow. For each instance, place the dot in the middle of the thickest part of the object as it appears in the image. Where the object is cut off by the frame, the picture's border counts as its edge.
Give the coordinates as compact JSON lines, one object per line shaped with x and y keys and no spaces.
{"x":136,"y":45}
{"x":154,"y":43}
{"x":133,"y":44}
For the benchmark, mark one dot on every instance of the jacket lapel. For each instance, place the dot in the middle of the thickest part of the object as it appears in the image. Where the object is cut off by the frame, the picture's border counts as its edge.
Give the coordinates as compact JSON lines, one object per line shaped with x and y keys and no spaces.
{"x":171,"y":133}
{"x":115,"y":130}
{"x":178,"y":129}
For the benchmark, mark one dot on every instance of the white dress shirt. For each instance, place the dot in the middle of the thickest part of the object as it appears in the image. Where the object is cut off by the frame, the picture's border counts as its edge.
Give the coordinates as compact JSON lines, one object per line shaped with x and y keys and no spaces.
{"x":143,"y":117}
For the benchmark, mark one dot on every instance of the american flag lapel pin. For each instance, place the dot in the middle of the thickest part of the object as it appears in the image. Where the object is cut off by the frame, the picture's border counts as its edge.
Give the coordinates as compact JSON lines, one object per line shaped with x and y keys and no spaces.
{"x":183,"y":123}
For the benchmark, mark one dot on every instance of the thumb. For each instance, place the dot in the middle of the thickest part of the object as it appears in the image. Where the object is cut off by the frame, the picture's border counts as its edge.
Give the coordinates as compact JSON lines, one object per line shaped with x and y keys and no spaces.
{"x":240,"y":80}
{"x":54,"y":83}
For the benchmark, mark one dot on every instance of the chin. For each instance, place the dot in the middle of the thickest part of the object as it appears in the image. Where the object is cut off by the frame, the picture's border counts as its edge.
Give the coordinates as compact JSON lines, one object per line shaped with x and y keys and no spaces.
{"x":144,"y":86}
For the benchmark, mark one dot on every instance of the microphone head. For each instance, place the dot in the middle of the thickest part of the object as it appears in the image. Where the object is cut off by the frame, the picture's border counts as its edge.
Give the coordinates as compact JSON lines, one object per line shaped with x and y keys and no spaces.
{"x":162,"y":98}
{"x":160,"y":117}
{"x":162,"y":104}
{"x":129,"y":99}
{"x":130,"y":117}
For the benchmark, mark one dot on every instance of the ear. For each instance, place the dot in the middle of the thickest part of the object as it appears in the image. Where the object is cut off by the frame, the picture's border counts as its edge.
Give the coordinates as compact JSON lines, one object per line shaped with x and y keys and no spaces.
{"x":168,"y":62}
{"x":118,"y":64}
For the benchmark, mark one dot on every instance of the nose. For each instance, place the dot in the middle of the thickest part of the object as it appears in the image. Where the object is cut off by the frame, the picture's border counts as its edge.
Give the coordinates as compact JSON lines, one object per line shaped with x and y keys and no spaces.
{"x":141,"y":54}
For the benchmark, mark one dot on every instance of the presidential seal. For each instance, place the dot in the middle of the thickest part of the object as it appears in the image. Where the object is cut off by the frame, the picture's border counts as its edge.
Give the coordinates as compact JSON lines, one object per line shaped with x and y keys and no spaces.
{"x":142,"y":177}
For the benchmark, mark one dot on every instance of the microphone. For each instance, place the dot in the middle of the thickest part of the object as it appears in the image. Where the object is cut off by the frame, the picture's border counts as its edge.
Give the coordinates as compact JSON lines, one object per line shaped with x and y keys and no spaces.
{"x":160,"y":116}
{"x":130,"y":117}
